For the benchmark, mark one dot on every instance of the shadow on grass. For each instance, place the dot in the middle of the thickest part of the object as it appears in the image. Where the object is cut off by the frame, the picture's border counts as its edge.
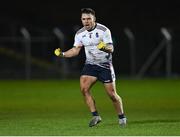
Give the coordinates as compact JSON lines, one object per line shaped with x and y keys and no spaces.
{"x":147,"y":122}
{"x":154,"y":121}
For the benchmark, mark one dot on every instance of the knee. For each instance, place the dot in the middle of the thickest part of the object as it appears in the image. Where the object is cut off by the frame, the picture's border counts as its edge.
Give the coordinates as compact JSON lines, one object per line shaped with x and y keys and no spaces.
{"x":85,"y":91}
{"x":114,"y":97}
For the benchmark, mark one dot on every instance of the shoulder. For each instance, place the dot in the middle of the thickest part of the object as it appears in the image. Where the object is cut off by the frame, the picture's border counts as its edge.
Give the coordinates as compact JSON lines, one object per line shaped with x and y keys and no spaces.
{"x":101,"y":27}
{"x":80,"y":31}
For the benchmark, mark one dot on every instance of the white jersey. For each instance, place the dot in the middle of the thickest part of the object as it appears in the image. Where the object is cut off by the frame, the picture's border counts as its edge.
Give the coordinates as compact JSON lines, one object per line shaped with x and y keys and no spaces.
{"x":90,"y":40}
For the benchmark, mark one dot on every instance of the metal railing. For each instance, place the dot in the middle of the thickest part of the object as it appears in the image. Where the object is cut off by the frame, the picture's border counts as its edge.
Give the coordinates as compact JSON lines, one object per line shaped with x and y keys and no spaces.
{"x":61,"y":68}
{"x":164,"y":44}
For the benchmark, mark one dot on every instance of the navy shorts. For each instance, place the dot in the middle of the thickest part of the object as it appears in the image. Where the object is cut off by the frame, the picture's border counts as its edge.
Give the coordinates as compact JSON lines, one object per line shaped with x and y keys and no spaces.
{"x":103,"y":74}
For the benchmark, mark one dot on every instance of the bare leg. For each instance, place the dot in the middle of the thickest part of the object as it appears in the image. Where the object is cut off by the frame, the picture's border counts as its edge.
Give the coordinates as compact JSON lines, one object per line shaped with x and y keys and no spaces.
{"x":86,"y":83}
{"x":116,"y":99}
{"x":117,"y":102}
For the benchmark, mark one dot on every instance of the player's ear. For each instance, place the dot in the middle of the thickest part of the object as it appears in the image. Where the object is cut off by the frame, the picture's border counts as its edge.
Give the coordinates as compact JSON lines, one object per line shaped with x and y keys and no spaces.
{"x":94,"y":18}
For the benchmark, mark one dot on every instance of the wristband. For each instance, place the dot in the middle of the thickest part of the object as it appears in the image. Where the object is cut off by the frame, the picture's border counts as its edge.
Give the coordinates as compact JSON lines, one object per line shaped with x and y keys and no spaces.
{"x":63,"y":54}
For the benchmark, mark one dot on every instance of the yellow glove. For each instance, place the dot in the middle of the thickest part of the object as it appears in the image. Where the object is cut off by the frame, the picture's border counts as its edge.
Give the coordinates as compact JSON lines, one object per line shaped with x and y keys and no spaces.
{"x":101,"y":46}
{"x":58,"y":52}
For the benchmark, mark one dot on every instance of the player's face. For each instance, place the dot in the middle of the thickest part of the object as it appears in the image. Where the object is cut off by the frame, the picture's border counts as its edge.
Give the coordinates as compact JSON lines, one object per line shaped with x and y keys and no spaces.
{"x":88,"y":21}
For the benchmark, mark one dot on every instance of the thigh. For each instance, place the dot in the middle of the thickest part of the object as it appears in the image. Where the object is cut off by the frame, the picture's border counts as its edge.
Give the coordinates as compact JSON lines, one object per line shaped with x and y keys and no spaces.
{"x":110,"y":88}
{"x":86,"y":82}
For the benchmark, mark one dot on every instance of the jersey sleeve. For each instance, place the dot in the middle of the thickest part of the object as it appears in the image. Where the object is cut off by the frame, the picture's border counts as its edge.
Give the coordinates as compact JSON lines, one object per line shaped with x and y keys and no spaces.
{"x":107,"y":37}
{"x":77,"y":41}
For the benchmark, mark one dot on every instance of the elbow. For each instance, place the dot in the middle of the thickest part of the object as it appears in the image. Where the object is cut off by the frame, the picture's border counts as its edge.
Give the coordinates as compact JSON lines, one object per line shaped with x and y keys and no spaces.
{"x":111,"y":50}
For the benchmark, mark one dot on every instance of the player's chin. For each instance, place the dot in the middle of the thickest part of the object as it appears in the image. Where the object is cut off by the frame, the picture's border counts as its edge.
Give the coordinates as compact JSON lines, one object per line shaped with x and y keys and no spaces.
{"x":87,"y":27}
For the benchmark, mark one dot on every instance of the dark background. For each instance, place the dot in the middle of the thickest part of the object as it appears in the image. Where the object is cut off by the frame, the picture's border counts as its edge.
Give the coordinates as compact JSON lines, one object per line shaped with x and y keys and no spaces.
{"x":113,"y":13}
{"x":144,"y":19}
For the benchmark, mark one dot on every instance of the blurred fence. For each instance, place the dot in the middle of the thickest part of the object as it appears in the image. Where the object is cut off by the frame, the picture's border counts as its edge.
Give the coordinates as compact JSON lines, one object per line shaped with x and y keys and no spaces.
{"x":30,"y":55}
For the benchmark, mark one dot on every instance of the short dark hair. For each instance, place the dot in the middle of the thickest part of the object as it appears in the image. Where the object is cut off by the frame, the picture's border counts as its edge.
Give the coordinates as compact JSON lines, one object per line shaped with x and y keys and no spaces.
{"x":88,"y":11}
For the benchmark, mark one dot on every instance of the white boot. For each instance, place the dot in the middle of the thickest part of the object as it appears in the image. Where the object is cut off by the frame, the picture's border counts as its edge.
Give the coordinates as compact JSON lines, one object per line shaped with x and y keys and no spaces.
{"x":122,"y":122}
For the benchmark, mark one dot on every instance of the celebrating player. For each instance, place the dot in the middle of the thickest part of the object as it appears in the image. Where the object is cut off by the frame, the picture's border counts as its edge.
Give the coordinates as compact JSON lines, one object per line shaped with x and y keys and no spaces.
{"x":97,"y":41}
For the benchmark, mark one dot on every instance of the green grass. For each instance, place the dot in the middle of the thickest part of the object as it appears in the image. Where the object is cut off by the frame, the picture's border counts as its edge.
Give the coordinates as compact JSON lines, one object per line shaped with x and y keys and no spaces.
{"x":57,"y":108}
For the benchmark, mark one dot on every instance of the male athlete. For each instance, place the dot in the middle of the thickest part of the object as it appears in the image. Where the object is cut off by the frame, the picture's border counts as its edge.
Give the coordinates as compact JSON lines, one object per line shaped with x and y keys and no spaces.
{"x":98,"y":44}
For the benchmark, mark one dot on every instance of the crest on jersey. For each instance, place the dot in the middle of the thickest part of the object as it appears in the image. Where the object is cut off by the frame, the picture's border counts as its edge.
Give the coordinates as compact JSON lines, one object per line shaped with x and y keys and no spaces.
{"x":97,"y":35}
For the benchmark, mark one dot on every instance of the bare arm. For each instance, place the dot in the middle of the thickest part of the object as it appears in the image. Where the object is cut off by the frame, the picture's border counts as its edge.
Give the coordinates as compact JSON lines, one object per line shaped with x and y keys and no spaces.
{"x":105,"y":47}
{"x":108,"y":48}
{"x":72,"y":52}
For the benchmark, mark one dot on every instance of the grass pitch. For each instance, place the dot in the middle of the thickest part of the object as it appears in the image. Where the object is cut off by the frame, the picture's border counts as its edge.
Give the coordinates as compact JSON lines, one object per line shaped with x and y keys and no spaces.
{"x":48,"y":108}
